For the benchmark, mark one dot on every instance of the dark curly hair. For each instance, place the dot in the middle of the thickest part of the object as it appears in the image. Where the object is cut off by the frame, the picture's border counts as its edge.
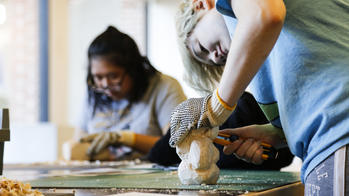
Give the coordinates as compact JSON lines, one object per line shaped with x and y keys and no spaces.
{"x":121,"y":50}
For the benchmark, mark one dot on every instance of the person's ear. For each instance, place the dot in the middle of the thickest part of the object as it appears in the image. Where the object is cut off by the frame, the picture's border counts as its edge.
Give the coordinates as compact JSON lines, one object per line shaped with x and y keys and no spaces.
{"x":203,"y":4}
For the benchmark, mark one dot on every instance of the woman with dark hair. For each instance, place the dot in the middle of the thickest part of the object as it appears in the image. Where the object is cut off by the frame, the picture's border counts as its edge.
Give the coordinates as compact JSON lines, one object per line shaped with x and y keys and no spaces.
{"x":129,"y":102}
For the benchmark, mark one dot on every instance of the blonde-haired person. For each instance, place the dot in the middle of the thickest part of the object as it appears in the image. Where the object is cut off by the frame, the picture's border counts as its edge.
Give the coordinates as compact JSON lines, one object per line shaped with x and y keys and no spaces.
{"x":199,"y":75}
{"x":296,"y":65}
{"x":247,"y":111}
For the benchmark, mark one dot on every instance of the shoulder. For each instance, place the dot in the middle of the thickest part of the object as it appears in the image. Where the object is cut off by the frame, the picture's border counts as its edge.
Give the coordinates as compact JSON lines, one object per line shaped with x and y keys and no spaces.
{"x":167,"y":87}
{"x":166,"y":82}
{"x":163,"y":86}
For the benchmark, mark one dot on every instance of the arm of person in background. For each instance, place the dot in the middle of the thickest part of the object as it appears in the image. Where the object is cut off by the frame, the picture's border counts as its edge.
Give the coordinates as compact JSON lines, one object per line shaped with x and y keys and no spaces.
{"x":75,"y":150}
{"x":97,"y":144}
{"x":100,"y":141}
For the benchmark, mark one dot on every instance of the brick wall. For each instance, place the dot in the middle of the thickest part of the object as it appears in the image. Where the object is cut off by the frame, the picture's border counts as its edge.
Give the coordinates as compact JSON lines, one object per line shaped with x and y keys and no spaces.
{"x":21,"y":64}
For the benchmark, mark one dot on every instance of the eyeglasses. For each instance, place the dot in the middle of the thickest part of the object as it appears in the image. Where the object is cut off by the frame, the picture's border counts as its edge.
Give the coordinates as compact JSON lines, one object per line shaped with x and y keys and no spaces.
{"x":113,"y":82}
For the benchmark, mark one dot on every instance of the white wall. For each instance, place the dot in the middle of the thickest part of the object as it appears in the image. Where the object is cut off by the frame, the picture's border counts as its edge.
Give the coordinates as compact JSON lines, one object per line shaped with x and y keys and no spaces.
{"x":31,"y":143}
{"x":163,"y":49}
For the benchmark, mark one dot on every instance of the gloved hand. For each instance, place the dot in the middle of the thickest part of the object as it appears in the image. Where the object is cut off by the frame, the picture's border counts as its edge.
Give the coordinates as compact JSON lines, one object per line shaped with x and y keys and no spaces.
{"x":195,"y":113}
{"x":104,"y":139}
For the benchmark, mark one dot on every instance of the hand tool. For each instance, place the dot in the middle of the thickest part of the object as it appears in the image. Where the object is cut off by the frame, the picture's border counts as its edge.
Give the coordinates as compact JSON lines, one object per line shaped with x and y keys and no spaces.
{"x":269,"y":152}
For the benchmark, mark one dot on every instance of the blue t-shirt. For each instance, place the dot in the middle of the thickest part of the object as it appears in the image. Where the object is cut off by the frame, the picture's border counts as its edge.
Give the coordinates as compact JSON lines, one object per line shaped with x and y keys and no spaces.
{"x":304,"y":83}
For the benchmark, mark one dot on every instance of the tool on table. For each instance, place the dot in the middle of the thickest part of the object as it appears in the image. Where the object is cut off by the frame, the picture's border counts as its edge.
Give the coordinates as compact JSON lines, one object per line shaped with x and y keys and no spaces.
{"x":225,"y":139}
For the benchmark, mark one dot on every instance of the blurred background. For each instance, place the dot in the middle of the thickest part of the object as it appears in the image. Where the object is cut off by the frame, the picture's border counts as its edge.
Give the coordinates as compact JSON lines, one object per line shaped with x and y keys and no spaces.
{"x":43,"y":62}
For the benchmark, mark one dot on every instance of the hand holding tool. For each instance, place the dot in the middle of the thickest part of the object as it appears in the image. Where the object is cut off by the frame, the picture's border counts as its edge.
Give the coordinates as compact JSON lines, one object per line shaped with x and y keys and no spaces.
{"x":269,"y":152}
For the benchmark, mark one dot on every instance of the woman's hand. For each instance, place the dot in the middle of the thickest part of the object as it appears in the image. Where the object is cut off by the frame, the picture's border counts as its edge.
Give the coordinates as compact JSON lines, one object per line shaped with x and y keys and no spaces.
{"x":100,"y":141}
{"x":195,"y":113}
{"x":248,"y":146}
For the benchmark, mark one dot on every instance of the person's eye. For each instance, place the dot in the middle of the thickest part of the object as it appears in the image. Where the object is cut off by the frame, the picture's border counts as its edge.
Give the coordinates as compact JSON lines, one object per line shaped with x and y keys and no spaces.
{"x":97,"y":77}
{"x":112,"y":76}
{"x":203,"y":49}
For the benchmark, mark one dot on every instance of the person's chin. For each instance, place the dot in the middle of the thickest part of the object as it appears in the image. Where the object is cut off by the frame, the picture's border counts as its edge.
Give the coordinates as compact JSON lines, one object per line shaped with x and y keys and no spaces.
{"x":108,"y":93}
{"x":112,"y":95}
{"x":116,"y":97}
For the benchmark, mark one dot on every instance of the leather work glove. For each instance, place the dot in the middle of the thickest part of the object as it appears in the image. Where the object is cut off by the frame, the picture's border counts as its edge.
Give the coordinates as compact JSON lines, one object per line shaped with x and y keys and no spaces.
{"x":195,"y":113}
{"x":102,"y":140}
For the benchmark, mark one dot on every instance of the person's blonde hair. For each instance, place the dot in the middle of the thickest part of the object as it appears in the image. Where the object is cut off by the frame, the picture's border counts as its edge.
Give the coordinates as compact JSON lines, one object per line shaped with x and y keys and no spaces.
{"x":202,"y":77}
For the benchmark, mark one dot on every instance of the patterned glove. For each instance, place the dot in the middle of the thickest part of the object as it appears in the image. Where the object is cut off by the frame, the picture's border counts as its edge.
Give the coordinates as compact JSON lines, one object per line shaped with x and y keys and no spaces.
{"x":195,"y":113}
{"x":102,"y":140}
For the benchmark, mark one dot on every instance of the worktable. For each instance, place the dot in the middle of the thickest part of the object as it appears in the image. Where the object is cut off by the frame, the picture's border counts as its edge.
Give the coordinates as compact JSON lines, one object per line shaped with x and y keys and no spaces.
{"x":106,"y":178}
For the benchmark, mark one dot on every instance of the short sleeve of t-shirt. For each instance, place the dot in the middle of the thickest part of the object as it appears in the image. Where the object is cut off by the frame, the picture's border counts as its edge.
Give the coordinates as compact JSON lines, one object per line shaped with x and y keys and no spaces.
{"x":224,"y":7}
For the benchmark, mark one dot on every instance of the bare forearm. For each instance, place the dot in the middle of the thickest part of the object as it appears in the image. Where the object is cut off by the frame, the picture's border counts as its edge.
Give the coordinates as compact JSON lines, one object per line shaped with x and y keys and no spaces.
{"x":144,"y":143}
{"x":259,"y":25}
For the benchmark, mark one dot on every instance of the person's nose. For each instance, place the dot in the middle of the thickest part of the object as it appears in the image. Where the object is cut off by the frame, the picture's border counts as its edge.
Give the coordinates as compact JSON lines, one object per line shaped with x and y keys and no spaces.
{"x":105,"y":82}
{"x":217,"y":57}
